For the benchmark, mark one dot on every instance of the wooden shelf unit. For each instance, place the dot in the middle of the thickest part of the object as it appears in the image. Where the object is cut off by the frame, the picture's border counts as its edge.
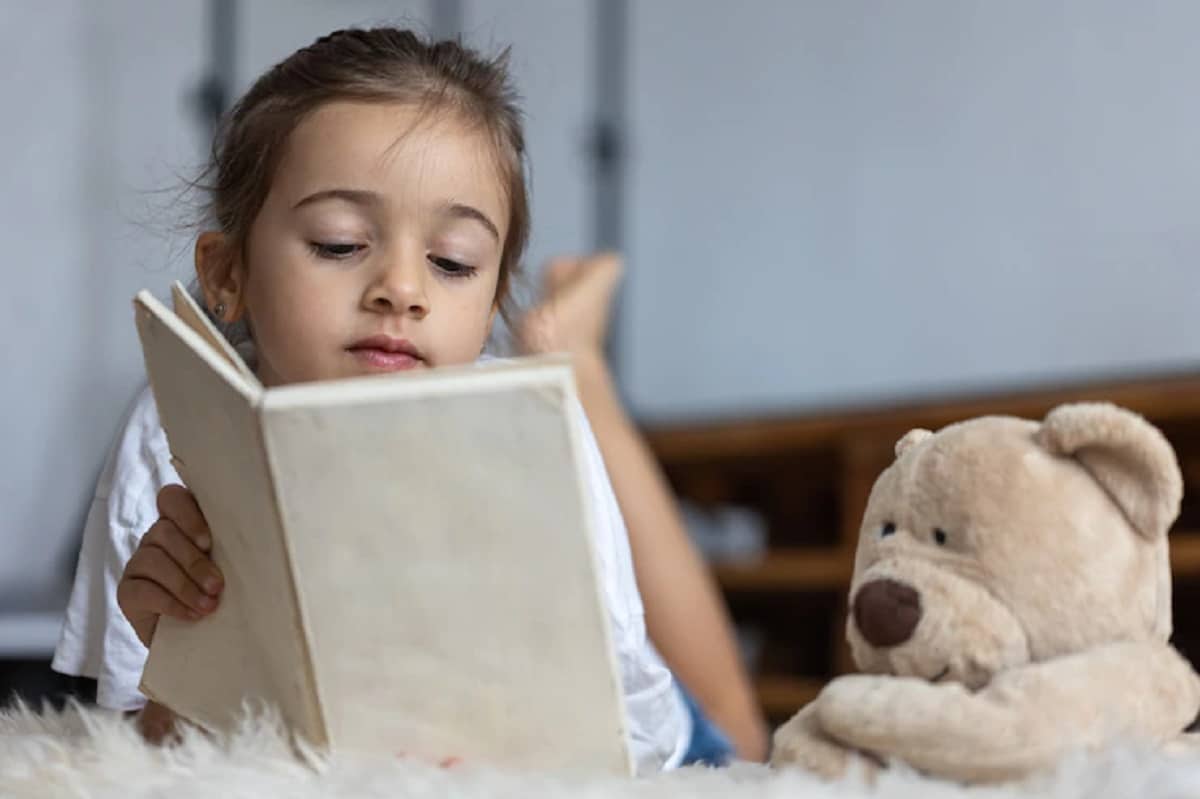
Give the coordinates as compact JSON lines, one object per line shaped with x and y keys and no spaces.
{"x":809,"y":477}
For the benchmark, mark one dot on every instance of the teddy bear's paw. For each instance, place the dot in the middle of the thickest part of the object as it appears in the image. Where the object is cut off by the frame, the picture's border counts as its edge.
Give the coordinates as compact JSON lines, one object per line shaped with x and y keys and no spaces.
{"x":800,"y":744}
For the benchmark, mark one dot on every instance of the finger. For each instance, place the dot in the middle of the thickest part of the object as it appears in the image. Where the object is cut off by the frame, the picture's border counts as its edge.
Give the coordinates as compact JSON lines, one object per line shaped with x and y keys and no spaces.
{"x":179,"y":505}
{"x":142,"y":599}
{"x":153,"y":563}
{"x":166,"y":535}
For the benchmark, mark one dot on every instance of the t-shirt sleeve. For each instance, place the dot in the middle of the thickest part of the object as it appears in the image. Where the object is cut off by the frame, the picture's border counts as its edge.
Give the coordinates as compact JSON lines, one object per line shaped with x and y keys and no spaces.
{"x":657,"y":718}
{"x":96,"y":640}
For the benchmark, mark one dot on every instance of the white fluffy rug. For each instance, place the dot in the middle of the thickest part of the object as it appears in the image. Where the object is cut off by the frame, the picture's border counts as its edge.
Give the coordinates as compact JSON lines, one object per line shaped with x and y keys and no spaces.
{"x":94,"y":754}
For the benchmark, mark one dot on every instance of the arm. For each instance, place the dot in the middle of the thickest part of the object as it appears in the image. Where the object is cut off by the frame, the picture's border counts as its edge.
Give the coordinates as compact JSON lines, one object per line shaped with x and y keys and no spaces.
{"x":128,"y":523}
{"x":685,"y":617}
{"x":1025,"y":720}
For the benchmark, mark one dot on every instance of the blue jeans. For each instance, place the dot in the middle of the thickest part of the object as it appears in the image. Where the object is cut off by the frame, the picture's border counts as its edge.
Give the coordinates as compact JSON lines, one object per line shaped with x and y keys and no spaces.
{"x":709,"y":745}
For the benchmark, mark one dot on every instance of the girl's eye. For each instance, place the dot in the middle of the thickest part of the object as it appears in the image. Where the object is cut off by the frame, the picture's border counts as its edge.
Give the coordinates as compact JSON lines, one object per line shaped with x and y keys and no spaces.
{"x":887,"y":529}
{"x":940,"y":537}
{"x":452,"y":268}
{"x":335,"y":250}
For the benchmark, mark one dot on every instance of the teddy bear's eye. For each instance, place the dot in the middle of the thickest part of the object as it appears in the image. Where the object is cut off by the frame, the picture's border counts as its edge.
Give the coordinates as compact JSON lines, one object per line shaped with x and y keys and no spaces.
{"x":887,"y":529}
{"x":939,"y":535}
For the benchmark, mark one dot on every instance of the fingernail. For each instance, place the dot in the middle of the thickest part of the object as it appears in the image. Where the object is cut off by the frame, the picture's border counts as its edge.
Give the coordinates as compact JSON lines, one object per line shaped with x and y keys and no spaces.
{"x":207,"y":603}
{"x":204,"y":541}
{"x":193,"y":615}
{"x":212,"y":584}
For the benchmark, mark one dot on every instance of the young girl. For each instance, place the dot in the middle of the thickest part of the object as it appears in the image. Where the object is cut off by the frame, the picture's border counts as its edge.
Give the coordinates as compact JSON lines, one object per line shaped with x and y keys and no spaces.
{"x":370,"y":205}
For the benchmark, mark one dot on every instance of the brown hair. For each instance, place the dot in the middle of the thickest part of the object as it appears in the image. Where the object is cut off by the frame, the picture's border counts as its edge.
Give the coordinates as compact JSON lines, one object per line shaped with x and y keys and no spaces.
{"x":374,"y":65}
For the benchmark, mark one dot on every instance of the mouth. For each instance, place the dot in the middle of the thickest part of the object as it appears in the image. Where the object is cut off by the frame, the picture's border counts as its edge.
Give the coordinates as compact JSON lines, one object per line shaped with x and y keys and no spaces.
{"x":386,"y":354}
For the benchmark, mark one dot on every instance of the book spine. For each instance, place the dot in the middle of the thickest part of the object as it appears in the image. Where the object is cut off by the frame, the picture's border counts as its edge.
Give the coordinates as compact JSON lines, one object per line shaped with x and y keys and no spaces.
{"x":319,"y":732}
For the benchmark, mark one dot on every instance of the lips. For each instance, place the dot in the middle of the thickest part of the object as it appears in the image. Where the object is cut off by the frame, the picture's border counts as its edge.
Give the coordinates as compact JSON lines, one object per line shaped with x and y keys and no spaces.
{"x":387,"y":354}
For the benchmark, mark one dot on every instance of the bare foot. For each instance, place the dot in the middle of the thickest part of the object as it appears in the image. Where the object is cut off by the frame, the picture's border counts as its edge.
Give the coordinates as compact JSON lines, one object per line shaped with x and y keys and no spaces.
{"x":576,"y":300}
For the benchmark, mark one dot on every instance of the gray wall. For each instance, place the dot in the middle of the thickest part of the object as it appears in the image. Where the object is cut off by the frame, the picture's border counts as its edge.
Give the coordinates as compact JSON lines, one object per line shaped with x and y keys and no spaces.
{"x":840,"y":201}
{"x":94,"y":128}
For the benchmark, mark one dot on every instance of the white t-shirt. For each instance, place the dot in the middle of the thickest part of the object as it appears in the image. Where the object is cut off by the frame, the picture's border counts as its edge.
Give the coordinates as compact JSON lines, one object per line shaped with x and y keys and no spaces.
{"x":97,"y":641}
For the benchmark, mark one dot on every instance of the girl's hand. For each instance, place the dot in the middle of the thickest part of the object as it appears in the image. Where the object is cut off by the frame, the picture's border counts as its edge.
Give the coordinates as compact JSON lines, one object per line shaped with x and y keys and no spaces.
{"x":157,"y":723}
{"x":170,"y":572}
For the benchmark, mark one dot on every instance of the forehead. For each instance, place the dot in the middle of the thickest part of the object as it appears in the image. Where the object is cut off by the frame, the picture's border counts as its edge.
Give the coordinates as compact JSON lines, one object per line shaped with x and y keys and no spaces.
{"x":406,"y":153}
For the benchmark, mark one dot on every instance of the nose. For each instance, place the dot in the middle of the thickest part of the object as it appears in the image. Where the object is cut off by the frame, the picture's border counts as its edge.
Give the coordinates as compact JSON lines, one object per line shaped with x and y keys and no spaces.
{"x":886,"y":612}
{"x":399,"y":287}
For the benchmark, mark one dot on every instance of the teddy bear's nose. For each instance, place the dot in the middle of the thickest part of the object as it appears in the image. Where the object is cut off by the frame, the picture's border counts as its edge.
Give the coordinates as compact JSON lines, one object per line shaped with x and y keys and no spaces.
{"x":886,"y":612}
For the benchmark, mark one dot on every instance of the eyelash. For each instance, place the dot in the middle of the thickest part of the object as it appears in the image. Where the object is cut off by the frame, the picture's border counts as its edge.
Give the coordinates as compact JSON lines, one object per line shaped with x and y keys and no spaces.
{"x":453,"y":269}
{"x":341,"y":251}
{"x":335,"y":250}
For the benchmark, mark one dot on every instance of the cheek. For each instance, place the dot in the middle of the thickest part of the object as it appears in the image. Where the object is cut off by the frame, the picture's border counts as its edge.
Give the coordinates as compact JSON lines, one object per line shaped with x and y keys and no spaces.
{"x":280,"y":279}
{"x":269,"y":296}
{"x":288,"y":343}
{"x":464,"y":328}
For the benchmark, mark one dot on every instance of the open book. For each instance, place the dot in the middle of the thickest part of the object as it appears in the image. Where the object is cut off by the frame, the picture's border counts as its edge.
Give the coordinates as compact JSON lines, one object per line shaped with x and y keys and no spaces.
{"x":408,"y":560}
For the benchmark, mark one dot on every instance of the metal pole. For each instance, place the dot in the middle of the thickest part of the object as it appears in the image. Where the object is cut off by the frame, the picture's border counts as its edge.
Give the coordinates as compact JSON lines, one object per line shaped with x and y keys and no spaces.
{"x":607,"y":145}
{"x":214,"y":95}
{"x":445,"y":18}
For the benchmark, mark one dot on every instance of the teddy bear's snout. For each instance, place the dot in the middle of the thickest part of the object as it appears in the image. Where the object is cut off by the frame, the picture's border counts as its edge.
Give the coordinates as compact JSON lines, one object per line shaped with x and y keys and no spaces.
{"x":886,"y":612}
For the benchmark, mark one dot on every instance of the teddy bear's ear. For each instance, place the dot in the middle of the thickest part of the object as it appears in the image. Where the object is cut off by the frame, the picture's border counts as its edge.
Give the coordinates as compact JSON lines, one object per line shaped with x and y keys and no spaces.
{"x":1127,"y":455}
{"x":911,"y":439}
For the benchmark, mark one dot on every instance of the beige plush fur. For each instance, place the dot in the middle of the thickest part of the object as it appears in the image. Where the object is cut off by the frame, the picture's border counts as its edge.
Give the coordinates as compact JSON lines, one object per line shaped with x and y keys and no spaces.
{"x":1010,"y":603}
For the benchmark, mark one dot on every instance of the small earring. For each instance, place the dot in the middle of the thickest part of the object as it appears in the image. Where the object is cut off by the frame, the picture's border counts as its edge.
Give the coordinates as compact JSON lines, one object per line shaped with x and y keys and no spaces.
{"x":219,"y":311}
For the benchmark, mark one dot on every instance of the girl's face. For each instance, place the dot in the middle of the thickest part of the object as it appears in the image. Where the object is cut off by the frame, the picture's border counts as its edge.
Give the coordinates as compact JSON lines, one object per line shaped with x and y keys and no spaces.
{"x":377,"y":248}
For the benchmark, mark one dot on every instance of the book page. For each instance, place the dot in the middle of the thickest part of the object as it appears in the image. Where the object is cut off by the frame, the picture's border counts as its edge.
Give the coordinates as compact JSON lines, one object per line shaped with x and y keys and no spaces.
{"x":190,"y":314}
{"x":442,"y":544}
{"x":252,"y":647}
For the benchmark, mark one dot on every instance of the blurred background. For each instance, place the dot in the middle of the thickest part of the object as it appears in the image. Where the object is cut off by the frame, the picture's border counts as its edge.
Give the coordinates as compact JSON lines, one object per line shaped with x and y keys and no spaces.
{"x":839,"y":218}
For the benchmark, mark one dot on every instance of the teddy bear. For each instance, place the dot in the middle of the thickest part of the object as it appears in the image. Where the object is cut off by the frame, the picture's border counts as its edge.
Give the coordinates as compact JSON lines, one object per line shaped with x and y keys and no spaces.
{"x":1010,"y":603}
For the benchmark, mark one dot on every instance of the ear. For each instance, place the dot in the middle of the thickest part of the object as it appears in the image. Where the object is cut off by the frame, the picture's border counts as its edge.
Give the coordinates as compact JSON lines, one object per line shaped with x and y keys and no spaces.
{"x":910,"y":440}
{"x":221,"y":274}
{"x":1126,"y":455}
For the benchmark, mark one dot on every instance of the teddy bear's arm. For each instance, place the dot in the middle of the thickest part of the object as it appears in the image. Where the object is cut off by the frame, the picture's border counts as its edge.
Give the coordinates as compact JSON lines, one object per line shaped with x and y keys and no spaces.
{"x":1025,"y":720}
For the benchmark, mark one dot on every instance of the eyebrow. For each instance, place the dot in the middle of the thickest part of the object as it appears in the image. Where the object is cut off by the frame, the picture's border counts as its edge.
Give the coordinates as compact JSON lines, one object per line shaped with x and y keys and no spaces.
{"x":460,"y":211}
{"x":356,"y":196}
